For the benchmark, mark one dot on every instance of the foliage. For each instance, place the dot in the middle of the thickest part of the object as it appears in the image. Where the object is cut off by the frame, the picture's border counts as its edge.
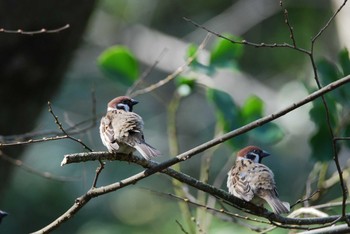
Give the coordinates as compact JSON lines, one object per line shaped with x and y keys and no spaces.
{"x":119,"y":64}
{"x":338,"y":105}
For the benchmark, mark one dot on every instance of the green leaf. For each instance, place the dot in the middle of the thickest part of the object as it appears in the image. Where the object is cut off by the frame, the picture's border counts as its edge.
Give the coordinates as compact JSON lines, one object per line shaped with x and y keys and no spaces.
{"x":344,"y":61}
{"x":227,"y":114}
{"x":347,"y":134}
{"x":321,"y":145}
{"x":321,"y":141}
{"x":269,"y":133}
{"x":252,"y":109}
{"x":328,"y":71}
{"x":197,"y":66}
{"x":226,"y":53}
{"x":119,"y":64}
{"x":192,"y":50}
{"x":181,"y":80}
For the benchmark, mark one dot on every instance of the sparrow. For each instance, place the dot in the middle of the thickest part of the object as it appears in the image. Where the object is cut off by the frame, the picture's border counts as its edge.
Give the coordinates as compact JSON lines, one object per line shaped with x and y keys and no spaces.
{"x":121,"y":130}
{"x":2,"y":215}
{"x":249,"y":179}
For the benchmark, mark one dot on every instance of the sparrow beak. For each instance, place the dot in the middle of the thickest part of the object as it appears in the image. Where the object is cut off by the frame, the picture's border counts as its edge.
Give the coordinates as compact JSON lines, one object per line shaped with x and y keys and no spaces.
{"x":134,"y":102}
{"x":264,"y":154}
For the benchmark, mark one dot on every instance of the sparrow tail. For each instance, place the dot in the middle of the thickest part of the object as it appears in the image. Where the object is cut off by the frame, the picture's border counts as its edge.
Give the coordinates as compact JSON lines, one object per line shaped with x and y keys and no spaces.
{"x":147,"y":151}
{"x":277,"y":205}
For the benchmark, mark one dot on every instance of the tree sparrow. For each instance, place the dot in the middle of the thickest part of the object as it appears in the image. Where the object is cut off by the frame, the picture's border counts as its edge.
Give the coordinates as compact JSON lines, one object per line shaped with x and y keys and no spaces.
{"x":121,"y":130}
{"x":248,"y":178}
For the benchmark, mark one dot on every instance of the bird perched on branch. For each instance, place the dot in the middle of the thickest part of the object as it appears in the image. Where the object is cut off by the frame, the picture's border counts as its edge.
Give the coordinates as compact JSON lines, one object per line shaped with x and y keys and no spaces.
{"x":249,"y":179}
{"x":121,"y":130}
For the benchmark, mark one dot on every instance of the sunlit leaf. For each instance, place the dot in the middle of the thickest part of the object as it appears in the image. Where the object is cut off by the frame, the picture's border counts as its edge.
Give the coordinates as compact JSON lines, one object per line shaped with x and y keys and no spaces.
{"x":252,"y":109}
{"x":192,"y":50}
{"x":119,"y":64}
{"x":197,"y":66}
{"x":225,"y":53}
{"x":185,"y":81}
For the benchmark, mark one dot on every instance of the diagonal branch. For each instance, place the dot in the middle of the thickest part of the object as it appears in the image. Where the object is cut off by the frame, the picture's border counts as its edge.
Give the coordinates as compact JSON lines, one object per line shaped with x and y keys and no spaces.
{"x":232,"y":200}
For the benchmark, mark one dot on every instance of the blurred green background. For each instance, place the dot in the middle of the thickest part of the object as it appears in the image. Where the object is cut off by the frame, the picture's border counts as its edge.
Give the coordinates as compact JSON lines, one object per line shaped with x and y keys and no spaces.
{"x":155,"y":30}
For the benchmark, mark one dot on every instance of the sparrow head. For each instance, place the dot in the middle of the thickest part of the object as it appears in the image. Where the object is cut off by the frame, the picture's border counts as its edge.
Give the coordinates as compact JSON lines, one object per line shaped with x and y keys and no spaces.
{"x":253,"y":153}
{"x":121,"y":103}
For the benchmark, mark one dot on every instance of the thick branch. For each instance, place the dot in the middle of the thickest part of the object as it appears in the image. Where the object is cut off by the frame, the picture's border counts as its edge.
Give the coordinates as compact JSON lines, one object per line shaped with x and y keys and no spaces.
{"x":238,"y":203}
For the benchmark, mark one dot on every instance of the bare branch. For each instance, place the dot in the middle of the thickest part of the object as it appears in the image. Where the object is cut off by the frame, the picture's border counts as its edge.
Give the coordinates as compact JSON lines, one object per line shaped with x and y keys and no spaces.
{"x":286,"y":20}
{"x":244,"y":42}
{"x":145,"y":74}
{"x":64,"y":131}
{"x":31,"y":33}
{"x":46,"y":175}
{"x":181,"y":227}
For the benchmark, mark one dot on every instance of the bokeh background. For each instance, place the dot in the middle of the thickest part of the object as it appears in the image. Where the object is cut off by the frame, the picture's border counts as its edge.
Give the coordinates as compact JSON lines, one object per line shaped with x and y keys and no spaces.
{"x":62,"y":68}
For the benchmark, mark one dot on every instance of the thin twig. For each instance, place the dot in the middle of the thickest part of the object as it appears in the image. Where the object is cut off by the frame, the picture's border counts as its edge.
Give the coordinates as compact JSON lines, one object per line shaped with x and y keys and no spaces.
{"x":25,"y":167}
{"x":245,"y":42}
{"x":64,"y":131}
{"x":286,"y":20}
{"x":328,"y":22}
{"x":98,"y":172}
{"x":146,"y":73}
{"x":24,"y":137}
{"x":181,"y":227}
{"x":31,"y":141}
{"x":177,"y":72}
{"x":305,"y":199}
{"x":31,"y":33}
{"x":213,"y":209}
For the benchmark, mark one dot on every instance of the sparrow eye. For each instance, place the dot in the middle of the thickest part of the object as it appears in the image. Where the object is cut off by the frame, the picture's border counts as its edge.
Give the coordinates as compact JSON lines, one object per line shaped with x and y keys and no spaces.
{"x":251,"y":156}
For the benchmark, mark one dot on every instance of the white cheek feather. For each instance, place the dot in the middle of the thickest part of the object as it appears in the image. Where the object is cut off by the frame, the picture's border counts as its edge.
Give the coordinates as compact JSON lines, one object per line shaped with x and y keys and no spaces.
{"x":123,"y":106}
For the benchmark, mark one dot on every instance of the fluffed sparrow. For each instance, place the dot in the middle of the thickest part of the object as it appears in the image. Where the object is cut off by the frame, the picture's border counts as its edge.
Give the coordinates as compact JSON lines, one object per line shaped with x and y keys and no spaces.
{"x":121,"y":130}
{"x":248,"y":178}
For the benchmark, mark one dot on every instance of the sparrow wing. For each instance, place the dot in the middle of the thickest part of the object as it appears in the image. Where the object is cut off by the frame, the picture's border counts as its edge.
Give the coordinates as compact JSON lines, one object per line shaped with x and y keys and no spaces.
{"x":129,"y":130}
{"x":239,"y":181}
{"x":265,"y":188}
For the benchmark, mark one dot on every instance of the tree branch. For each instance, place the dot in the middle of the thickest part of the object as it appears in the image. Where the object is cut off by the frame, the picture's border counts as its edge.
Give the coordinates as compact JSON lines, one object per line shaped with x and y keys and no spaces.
{"x":154,"y":166}
{"x":31,"y":33}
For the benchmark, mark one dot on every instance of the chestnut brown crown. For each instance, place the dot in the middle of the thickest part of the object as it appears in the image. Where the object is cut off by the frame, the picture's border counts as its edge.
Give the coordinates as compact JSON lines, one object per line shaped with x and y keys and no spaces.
{"x":122,"y":103}
{"x":253,"y":153}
